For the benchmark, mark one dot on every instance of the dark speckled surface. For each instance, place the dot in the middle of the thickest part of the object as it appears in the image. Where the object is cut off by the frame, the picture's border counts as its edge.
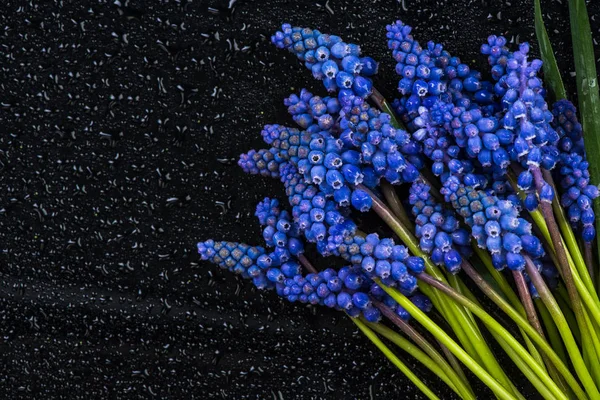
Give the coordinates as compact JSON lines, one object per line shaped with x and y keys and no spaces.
{"x":120,"y":124}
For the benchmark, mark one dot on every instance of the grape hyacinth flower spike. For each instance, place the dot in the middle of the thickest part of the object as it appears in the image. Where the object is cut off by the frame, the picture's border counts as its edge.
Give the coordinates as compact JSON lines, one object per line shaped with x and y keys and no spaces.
{"x":478,"y":160}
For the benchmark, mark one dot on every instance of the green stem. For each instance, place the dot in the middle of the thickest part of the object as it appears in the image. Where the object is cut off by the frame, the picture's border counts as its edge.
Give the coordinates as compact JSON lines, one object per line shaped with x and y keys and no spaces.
{"x":393,"y":201}
{"x":571,"y":241}
{"x":529,"y":374}
{"x":394,"y":359}
{"x":493,"y":325}
{"x":416,"y":337}
{"x":562,"y":293}
{"x":489,"y":359}
{"x":422,"y":357}
{"x":462,"y":355}
{"x":525,"y":326}
{"x":384,"y":106}
{"x":593,"y":350}
{"x":551,"y":330}
{"x":396,"y":207}
{"x":511,"y":296}
{"x":563,"y":303}
{"x":464,"y":290}
{"x":456,"y":365}
{"x":446,"y":309}
{"x":458,"y":317}
{"x":563,"y":328}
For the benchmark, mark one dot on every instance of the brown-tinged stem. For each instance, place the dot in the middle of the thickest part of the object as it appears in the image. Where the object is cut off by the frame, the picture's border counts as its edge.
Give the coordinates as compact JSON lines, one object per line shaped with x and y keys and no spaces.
{"x":393,"y":201}
{"x":533,"y":319}
{"x":306,"y":264}
{"x":515,"y":316}
{"x":588,"y":256}
{"x":559,"y":247}
{"x":526,"y":363}
{"x":527,"y":302}
{"x":427,"y":347}
{"x":384,"y":106}
{"x":563,"y":328}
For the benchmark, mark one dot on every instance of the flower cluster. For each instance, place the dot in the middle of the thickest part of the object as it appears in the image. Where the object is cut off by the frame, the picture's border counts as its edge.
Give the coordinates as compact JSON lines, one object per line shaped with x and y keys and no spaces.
{"x":384,"y":151}
{"x":472,"y":131}
{"x":432,"y":70}
{"x":338,"y":64}
{"x":572,"y":173}
{"x":313,"y":113}
{"x":438,"y":229}
{"x":238,"y":258}
{"x":495,"y":224}
{"x":469,"y":130}
{"x":493,"y":148}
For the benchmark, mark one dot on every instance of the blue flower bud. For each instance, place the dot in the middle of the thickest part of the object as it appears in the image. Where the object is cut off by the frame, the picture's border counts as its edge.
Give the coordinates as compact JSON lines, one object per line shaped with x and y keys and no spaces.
{"x":546,"y":193}
{"x":351,"y":64}
{"x":344,"y":80}
{"x":361,"y":200}
{"x":452,"y":261}
{"x":515,"y":262}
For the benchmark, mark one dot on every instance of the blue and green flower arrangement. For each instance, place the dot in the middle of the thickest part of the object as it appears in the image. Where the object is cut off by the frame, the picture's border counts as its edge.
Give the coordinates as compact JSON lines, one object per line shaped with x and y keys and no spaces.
{"x":499,"y":185}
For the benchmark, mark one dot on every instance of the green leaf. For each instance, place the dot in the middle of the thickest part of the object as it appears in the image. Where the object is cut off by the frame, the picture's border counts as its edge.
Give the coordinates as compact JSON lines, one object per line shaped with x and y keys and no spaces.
{"x":552,"y":78}
{"x":587,"y":89}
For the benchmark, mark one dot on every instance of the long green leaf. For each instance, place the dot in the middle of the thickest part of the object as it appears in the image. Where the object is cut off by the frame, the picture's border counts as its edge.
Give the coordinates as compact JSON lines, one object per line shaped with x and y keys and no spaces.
{"x":587,"y":89}
{"x":552,"y":78}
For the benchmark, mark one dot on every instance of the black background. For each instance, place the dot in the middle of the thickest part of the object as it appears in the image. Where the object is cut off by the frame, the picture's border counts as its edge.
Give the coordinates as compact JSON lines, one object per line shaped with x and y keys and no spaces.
{"x":120,"y":124}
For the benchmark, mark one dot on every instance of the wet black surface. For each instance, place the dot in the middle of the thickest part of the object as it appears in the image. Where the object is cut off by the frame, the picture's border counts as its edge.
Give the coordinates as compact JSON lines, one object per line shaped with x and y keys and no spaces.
{"x":120,"y":124}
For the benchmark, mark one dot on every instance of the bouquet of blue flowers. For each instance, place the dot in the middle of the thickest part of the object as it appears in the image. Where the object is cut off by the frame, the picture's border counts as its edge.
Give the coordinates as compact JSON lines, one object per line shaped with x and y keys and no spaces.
{"x":485,"y":179}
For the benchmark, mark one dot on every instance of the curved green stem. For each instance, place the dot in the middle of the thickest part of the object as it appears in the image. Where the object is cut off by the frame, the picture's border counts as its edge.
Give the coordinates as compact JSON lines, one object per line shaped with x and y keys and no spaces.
{"x":462,"y":355}
{"x":493,"y":325}
{"x":446,"y":310}
{"x":393,"y":201}
{"x":571,"y":241}
{"x":525,"y":326}
{"x":461,"y":386}
{"x":563,"y":303}
{"x":421,"y":356}
{"x":394,"y":359}
{"x":563,"y":328}
{"x":551,"y":330}
{"x":528,"y":372}
{"x":384,"y":106}
{"x":508,"y":292}
{"x":459,"y":318}
{"x":593,"y":348}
